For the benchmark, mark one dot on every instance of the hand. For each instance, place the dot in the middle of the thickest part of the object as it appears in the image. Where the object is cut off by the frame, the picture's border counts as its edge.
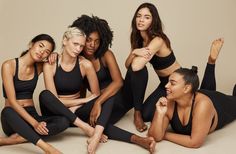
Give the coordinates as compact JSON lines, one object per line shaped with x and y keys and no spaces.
{"x":143,"y":52}
{"x":52,"y":58}
{"x":161,"y":105}
{"x":41,"y":128}
{"x":95,"y":113}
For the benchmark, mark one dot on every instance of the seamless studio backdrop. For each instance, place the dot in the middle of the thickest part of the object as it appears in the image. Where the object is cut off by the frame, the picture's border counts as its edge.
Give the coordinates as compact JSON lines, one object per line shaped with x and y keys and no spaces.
{"x":190,"y":25}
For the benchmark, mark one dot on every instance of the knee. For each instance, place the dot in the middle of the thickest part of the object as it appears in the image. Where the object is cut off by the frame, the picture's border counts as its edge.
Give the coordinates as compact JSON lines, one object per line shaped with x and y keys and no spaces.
{"x":7,"y":111}
{"x":44,"y":95}
{"x":64,"y":123}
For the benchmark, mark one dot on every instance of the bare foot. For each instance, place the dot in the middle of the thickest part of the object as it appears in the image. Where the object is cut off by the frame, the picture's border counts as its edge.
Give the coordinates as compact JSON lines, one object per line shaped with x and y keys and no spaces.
{"x":215,"y":50}
{"x":93,"y":143}
{"x":13,"y":139}
{"x":146,"y":142}
{"x":52,"y":150}
{"x":138,"y":122}
{"x":88,"y":130}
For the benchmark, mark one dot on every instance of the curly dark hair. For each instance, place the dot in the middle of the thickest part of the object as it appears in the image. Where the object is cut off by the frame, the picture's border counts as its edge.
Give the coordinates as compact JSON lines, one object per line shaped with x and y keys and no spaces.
{"x":95,"y":24}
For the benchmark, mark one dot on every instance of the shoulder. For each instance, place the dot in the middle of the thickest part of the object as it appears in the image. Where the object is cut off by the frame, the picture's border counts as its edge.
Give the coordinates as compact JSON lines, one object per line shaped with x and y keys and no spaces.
{"x":202,"y":103}
{"x":108,"y":56}
{"x":157,"y":39}
{"x":9,"y":65}
{"x":85,"y":63}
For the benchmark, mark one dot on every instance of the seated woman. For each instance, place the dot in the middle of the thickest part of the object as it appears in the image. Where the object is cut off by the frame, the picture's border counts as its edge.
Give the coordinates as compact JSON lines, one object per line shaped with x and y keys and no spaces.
{"x":150,"y":44}
{"x":19,"y":118}
{"x":99,"y":38}
{"x":64,"y":81}
{"x":192,"y":113}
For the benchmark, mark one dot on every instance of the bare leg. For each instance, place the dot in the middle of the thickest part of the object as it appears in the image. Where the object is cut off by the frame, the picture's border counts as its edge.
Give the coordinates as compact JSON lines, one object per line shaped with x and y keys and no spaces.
{"x":94,"y":140}
{"x":87,"y":129}
{"x":215,"y":50}
{"x":47,"y":148}
{"x":138,"y":121}
{"x":13,"y":139}
{"x":146,"y":142}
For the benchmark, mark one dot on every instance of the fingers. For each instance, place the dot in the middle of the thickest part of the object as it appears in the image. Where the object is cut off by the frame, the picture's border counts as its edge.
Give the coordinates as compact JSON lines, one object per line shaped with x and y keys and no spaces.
{"x":92,"y":119}
{"x":42,"y":129}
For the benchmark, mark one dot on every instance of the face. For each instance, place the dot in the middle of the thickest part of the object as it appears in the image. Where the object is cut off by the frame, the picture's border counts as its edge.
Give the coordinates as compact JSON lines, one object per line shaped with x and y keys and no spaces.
{"x":176,"y":87}
{"x":40,"y":50}
{"x":143,"y":19}
{"x":92,"y":44}
{"x":74,"y":45}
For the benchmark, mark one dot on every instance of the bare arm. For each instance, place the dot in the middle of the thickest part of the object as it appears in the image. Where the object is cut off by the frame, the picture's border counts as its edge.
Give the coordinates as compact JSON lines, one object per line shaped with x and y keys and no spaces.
{"x":117,"y":80}
{"x":202,"y":118}
{"x":7,"y":77}
{"x":153,"y":47}
{"x":160,"y":121}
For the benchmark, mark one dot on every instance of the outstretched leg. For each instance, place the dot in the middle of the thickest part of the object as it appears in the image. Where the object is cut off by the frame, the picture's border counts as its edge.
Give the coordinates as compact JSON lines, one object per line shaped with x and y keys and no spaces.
{"x":209,"y":81}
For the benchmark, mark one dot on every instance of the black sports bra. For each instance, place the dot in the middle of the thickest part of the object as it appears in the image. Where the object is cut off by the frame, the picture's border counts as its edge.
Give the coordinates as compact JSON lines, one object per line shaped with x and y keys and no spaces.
{"x":160,"y":63}
{"x":24,"y":89}
{"x":68,"y":83}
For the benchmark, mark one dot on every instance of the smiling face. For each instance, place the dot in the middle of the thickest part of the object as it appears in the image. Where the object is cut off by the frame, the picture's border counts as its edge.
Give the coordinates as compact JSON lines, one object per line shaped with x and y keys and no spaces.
{"x":176,"y":87}
{"x":92,"y":44}
{"x":74,"y":45}
{"x":40,"y":50}
{"x":143,"y":19}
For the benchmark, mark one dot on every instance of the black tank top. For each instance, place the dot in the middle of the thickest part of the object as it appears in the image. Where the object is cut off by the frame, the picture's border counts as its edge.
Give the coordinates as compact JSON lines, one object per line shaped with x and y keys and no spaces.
{"x":160,"y":63}
{"x":24,"y":89}
{"x":68,"y":83}
{"x":177,"y":125}
{"x":103,"y":75}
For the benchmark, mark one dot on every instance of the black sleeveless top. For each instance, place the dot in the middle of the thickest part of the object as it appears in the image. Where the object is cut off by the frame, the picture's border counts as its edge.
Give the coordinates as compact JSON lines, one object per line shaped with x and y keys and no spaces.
{"x":103,"y":75}
{"x":177,"y":125}
{"x":24,"y":89}
{"x":160,"y":63}
{"x":68,"y":83}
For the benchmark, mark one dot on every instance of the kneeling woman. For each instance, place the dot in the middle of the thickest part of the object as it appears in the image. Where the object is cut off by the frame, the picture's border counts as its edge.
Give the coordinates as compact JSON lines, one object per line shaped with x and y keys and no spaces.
{"x":192,"y":113}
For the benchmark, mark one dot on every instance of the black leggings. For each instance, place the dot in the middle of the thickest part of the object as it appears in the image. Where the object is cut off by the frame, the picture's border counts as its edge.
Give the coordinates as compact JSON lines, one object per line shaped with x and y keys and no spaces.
{"x":148,"y":107}
{"x":12,"y":123}
{"x":51,"y":105}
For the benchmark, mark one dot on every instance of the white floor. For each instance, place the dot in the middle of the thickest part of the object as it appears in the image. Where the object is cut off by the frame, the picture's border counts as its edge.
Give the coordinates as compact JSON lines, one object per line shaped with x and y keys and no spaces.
{"x":72,"y":141}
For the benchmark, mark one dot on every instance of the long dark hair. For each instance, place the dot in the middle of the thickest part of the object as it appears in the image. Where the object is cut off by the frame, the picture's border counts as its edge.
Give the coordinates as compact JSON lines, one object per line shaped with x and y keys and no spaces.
{"x":95,"y":24}
{"x":154,"y":30}
{"x":190,"y":77}
{"x":41,"y":37}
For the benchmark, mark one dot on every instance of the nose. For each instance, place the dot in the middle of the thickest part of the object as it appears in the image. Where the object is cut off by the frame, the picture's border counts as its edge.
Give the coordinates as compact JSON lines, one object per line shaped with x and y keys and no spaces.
{"x":167,"y":85}
{"x":92,"y":43}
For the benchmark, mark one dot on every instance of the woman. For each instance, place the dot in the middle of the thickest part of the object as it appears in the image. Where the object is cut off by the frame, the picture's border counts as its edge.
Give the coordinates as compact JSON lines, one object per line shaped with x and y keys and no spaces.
{"x":99,"y":38}
{"x":148,"y":44}
{"x":192,"y":113}
{"x":19,"y":118}
{"x":64,"y":98}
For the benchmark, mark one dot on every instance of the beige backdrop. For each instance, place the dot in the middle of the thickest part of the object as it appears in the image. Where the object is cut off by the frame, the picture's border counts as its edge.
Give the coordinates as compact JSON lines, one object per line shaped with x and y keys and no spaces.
{"x":190,"y":24}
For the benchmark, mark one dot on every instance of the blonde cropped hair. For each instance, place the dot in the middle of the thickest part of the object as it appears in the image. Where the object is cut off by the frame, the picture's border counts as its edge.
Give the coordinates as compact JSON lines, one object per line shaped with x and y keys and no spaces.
{"x":73,"y":31}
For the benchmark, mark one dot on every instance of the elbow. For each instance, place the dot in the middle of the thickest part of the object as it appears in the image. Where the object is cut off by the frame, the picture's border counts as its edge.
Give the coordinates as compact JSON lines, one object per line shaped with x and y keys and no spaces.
{"x":156,"y":137}
{"x":120,"y":83}
{"x":195,"y":144}
{"x":135,"y":67}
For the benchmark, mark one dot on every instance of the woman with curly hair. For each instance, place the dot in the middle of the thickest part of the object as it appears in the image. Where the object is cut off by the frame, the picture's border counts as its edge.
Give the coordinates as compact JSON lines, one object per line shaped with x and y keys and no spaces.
{"x":99,"y":39}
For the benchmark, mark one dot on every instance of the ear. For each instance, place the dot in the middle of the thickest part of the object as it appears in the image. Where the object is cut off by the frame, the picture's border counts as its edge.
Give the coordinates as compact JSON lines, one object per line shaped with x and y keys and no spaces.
{"x":187,"y":88}
{"x":64,"y":41}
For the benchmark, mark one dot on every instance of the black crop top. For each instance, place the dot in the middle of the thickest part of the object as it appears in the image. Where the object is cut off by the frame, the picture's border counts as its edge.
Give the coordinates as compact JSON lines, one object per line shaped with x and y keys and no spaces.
{"x":24,"y":89}
{"x":68,"y":83}
{"x":160,"y":63}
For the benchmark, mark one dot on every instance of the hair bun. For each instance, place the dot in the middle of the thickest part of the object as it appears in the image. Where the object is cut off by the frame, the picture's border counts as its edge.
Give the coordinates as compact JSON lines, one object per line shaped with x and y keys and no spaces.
{"x":194,"y":69}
